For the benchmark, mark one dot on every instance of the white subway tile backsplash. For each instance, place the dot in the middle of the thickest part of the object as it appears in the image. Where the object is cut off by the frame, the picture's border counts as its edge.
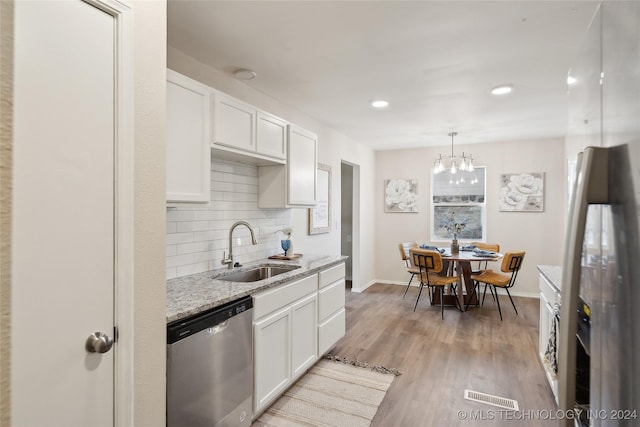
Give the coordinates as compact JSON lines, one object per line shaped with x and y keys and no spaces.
{"x":176,"y":238}
{"x":180,"y":215}
{"x":171,"y":250}
{"x":178,"y":260}
{"x":186,"y":270}
{"x":198,"y":235}
{"x":190,"y":248}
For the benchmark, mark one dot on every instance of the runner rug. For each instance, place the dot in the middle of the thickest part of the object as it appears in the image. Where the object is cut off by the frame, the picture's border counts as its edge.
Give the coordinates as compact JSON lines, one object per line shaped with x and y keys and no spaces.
{"x":331,"y":394}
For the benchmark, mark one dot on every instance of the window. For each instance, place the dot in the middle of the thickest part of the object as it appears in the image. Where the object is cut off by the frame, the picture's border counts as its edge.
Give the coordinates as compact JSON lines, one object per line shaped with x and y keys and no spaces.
{"x":458,"y":198}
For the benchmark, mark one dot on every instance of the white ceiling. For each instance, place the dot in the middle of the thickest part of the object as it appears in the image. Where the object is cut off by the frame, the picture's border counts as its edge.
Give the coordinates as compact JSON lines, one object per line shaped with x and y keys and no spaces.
{"x":434,"y":61}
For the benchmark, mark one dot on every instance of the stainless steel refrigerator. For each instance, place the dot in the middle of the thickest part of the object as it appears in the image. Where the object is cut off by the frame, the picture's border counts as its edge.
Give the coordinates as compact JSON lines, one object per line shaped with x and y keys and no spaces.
{"x":599,"y":339}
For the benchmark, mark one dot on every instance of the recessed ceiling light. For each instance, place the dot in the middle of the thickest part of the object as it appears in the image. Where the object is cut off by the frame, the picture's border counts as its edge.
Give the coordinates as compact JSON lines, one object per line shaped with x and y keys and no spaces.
{"x":245,"y":74}
{"x":380,"y":103}
{"x":502,"y":89}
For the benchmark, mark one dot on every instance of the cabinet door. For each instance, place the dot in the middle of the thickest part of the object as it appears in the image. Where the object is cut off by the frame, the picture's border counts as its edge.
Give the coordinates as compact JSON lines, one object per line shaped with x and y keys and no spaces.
{"x":233,"y":123}
{"x":271,"y":135}
{"x":330,"y":331}
{"x":304,"y":336}
{"x":331,"y":299}
{"x":272,"y":357}
{"x":301,"y":167}
{"x":188,"y":151}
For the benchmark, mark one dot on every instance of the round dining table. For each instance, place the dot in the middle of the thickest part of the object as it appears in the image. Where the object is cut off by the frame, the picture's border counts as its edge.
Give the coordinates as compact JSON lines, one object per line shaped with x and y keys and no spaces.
{"x":462,"y":265}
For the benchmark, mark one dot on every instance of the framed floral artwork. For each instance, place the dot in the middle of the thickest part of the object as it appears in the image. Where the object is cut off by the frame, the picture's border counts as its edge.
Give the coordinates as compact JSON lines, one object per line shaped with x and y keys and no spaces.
{"x":521,"y":192}
{"x":401,"y":195}
{"x":320,"y":215}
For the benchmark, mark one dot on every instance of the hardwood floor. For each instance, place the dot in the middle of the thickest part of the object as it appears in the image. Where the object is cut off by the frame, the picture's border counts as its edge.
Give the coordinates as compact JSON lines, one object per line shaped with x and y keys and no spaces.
{"x":439,"y":359}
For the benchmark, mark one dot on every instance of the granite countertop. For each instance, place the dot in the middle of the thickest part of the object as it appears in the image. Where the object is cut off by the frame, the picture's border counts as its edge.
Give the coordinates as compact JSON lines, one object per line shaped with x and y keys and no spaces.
{"x":190,"y":295}
{"x":553,"y":274}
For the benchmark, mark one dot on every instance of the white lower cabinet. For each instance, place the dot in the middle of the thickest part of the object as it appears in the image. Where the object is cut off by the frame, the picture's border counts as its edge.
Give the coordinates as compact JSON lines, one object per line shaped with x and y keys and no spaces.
{"x":294,"y":325}
{"x":272,"y":361}
{"x":331,"y":313}
{"x":549,"y":297}
{"x":304,"y":334}
{"x":285,"y":337}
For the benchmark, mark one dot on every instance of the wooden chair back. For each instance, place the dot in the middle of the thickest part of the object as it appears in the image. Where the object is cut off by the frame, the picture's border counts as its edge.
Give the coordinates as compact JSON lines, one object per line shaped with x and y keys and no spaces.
{"x":494,"y":247}
{"x":405,"y":249}
{"x":511,"y":263}
{"x":426,"y":260}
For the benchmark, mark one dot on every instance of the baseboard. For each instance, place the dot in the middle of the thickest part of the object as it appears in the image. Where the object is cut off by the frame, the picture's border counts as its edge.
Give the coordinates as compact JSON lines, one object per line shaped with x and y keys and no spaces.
{"x":366,"y":285}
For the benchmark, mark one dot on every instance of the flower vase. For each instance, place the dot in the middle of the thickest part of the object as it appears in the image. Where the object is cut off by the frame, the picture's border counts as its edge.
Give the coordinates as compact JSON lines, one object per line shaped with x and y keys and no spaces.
{"x":455,"y":248}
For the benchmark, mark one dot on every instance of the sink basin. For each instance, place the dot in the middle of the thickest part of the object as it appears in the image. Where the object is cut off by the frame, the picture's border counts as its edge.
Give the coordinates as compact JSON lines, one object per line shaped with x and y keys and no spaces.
{"x":257,"y":273}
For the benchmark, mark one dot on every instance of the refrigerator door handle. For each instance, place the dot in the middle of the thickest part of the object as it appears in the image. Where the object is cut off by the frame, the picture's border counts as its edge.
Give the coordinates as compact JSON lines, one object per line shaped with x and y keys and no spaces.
{"x":591,"y":187}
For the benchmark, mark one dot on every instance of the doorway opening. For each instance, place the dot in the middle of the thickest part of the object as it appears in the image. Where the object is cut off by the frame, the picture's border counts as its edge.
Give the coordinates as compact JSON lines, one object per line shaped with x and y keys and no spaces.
{"x":349,"y":230}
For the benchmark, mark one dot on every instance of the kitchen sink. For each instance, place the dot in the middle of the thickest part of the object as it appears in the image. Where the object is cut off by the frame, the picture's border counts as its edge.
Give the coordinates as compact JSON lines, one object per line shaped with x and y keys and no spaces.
{"x":257,"y":273}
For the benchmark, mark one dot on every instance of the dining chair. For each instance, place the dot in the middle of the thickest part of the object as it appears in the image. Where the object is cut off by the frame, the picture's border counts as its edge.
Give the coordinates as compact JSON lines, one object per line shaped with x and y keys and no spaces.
{"x":408,"y":262}
{"x":431,"y":268}
{"x":493,"y":247}
{"x":511,"y":264}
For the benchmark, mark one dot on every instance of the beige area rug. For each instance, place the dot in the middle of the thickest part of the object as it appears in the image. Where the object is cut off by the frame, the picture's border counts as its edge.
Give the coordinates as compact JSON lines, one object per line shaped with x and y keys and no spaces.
{"x":331,"y":394}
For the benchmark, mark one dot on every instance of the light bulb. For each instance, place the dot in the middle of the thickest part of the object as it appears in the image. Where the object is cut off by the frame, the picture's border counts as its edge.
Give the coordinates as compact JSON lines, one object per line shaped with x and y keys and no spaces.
{"x":463,"y":165}
{"x":470,"y":167}
{"x":453,"y":167}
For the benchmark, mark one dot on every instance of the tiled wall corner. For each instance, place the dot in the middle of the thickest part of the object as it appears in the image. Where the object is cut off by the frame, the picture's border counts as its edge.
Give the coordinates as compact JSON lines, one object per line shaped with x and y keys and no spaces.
{"x":198,"y":234}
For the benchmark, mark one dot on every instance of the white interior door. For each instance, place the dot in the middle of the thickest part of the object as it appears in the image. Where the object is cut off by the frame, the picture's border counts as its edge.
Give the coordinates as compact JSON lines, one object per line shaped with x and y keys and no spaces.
{"x":63,"y":213}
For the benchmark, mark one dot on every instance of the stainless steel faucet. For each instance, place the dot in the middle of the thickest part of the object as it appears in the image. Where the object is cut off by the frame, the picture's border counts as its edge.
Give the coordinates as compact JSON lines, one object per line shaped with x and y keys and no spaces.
{"x":254,"y":241}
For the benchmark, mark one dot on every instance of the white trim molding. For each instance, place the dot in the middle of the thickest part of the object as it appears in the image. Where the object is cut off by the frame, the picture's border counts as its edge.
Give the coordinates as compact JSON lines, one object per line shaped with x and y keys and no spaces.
{"x":124,"y":210}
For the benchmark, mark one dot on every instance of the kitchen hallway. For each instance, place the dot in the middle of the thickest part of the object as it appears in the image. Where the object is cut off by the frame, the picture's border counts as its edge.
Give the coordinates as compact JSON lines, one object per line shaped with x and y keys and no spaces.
{"x":439,"y":359}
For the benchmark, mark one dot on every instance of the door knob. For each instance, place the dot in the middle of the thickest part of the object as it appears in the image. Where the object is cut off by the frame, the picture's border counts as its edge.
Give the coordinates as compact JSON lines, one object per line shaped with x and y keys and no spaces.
{"x":98,"y":343}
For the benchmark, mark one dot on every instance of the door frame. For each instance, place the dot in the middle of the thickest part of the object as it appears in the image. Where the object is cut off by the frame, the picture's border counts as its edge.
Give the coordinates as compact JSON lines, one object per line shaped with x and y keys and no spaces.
{"x":123,"y":211}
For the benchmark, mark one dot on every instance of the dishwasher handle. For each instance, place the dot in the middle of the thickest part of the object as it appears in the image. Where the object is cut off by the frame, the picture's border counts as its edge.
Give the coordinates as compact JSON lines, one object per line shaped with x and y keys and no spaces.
{"x":218,"y":328}
{"x":213,"y":321}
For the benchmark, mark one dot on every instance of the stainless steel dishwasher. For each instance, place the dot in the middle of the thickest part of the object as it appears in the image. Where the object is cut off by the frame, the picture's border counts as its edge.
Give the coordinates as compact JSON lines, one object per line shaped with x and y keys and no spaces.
{"x":210,"y":368}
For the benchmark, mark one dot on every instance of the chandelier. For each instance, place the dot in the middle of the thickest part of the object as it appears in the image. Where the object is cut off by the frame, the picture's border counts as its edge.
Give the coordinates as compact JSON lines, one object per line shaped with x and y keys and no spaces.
{"x":455,"y":163}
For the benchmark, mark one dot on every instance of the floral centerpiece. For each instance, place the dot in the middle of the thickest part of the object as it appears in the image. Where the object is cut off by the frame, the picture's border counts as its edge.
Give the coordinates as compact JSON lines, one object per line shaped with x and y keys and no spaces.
{"x":454,"y":227}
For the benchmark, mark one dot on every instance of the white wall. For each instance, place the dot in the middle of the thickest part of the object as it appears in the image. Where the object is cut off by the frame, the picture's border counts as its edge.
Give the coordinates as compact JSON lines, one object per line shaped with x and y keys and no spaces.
{"x":333,"y":147}
{"x":150,"y":307}
{"x":541,"y":234}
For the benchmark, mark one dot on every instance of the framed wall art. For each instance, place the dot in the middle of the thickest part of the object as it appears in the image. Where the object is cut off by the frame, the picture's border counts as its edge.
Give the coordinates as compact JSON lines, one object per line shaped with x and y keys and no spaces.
{"x":401,"y":195}
{"x":521,"y":192}
{"x":320,"y":215}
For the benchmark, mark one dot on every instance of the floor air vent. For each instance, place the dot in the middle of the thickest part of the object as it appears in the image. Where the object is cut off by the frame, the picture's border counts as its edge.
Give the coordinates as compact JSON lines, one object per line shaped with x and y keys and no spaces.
{"x":489,"y":399}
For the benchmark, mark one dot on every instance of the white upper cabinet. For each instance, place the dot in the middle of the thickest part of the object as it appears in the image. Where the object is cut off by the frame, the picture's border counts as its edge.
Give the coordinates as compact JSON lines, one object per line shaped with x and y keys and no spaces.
{"x":241,"y":128}
{"x":294,"y":184}
{"x":271,"y":136}
{"x":303,"y":146}
{"x":188,"y":148}
{"x":234,"y":123}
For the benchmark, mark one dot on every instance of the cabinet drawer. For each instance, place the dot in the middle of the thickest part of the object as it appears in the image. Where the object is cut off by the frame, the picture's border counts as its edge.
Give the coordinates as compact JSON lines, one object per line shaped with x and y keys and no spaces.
{"x":272,"y":299}
{"x":331,"y":299}
{"x":330,"y":331}
{"x":549,"y":291}
{"x":332,"y":274}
